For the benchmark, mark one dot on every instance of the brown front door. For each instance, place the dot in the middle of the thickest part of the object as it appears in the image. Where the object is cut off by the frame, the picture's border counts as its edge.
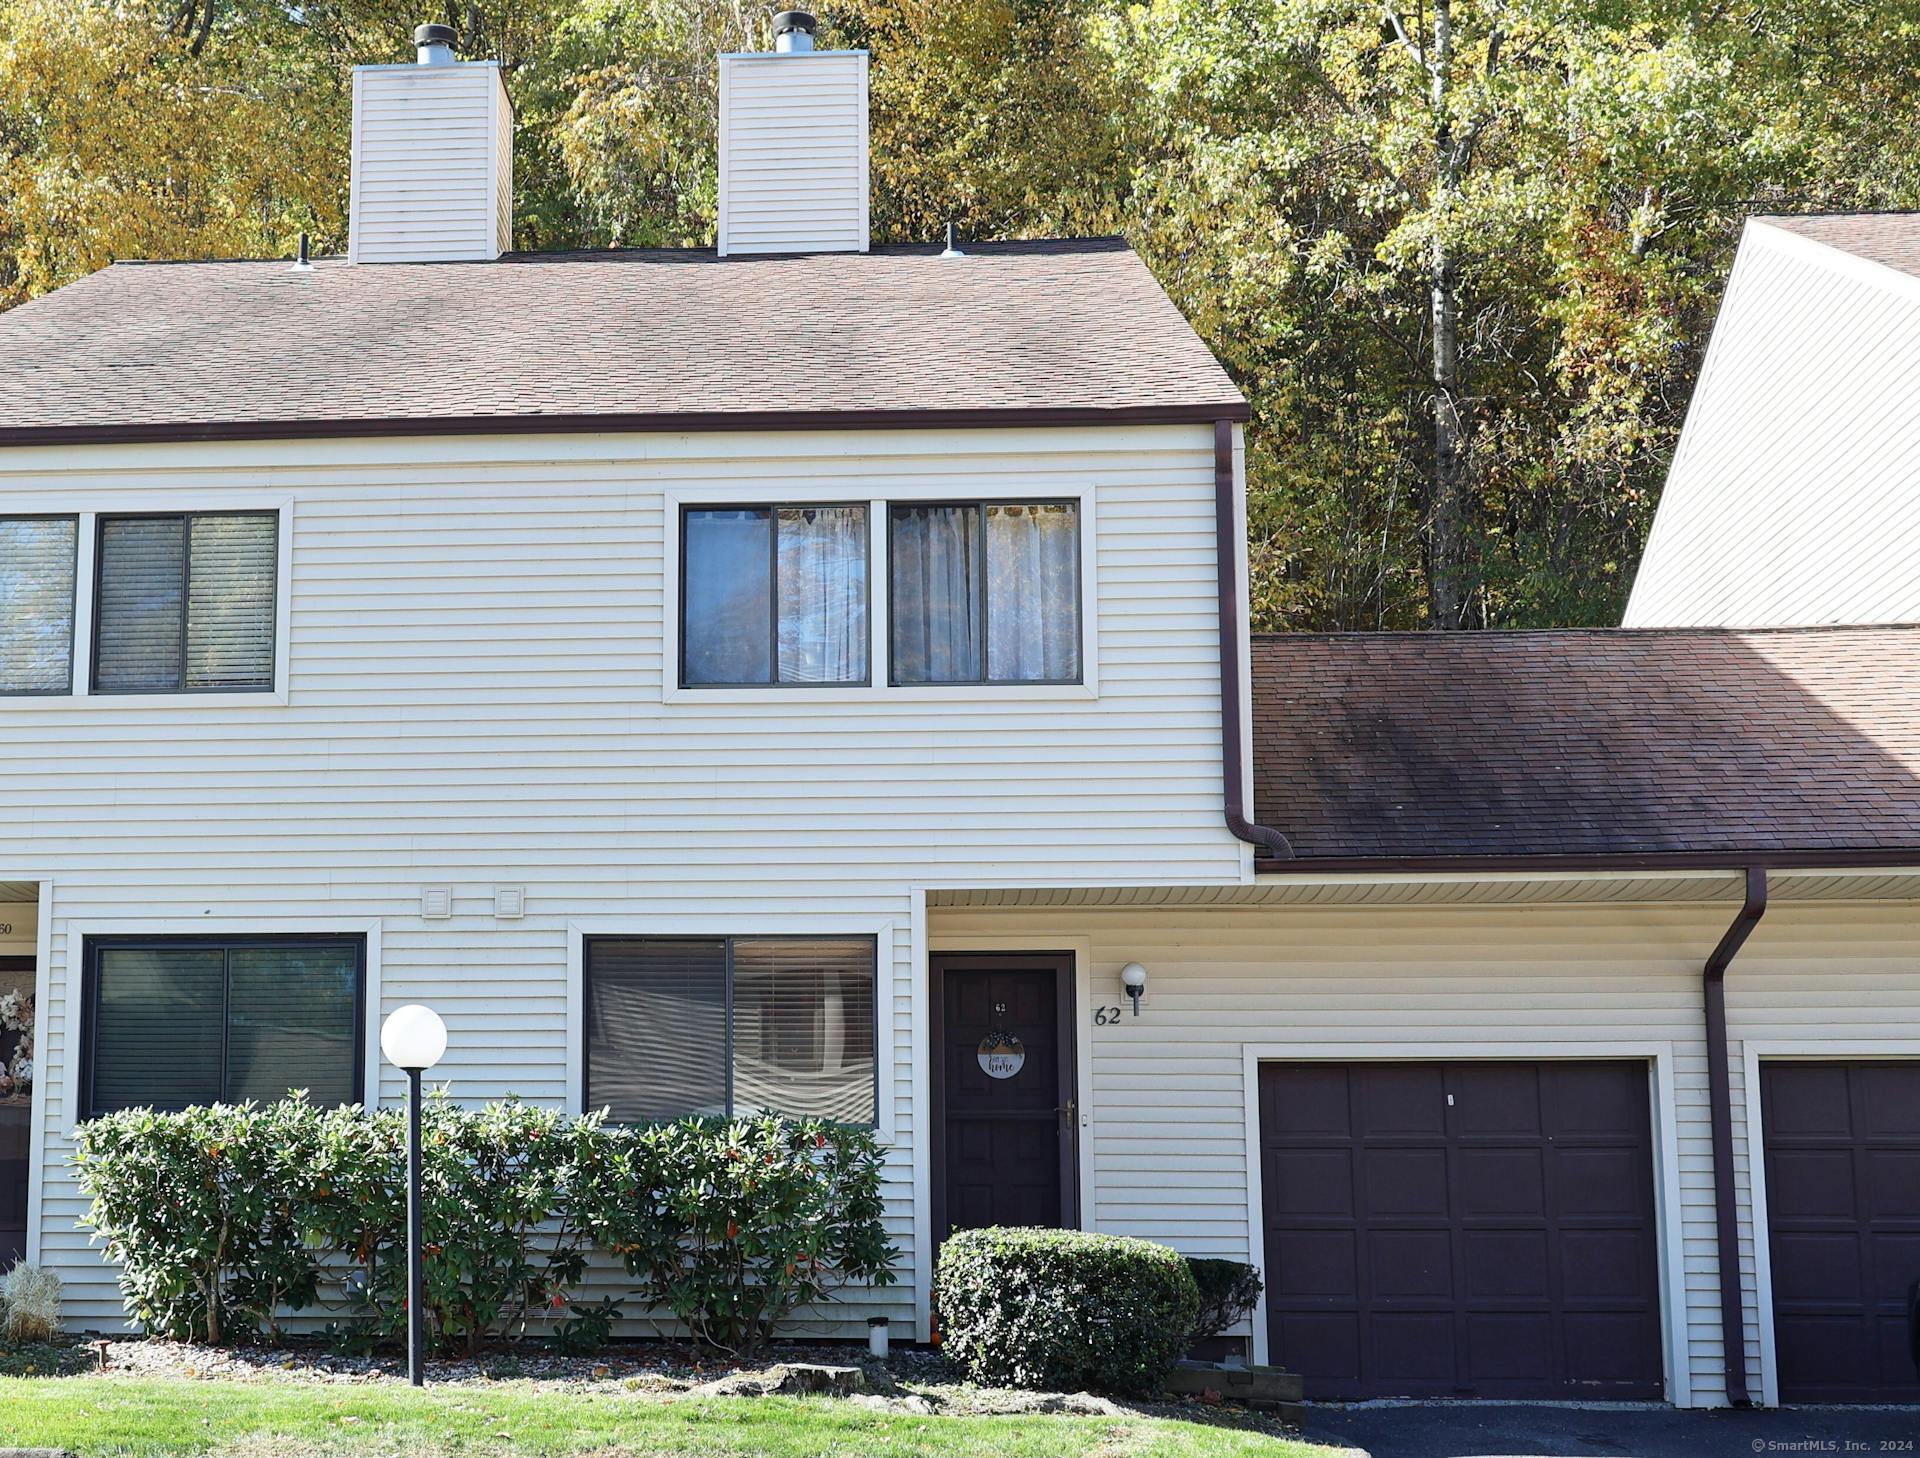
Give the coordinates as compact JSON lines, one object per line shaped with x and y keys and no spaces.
{"x":1004,"y":1120}
{"x":1461,"y":1229}
{"x":16,"y":1112}
{"x":1843,"y":1227}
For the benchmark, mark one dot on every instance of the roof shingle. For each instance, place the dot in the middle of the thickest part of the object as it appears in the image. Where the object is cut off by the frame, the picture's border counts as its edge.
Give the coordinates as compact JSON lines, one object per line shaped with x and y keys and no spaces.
{"x":1601,"y":742}
{"x":621,"y":339}
{"x":1892,"y":239}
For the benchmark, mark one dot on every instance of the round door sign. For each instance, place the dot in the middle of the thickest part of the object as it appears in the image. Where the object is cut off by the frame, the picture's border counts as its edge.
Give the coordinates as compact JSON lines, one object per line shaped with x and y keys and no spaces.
{"x":1002,"y":1055}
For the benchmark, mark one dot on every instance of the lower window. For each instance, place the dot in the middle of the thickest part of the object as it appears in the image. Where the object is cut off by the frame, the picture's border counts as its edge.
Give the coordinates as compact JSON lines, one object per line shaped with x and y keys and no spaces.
{"x":730,"y":1026}
{"x":178,"y":1021}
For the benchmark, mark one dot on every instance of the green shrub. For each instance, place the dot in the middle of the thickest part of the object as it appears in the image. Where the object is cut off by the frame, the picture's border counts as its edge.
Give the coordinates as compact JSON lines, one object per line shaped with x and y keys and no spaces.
{"x":197,"y":1208}
{"x":220,"y":1218}
{"x":1062,"y":1310}
{"x":735,"y":1225}
{"x":1229,"y":1290}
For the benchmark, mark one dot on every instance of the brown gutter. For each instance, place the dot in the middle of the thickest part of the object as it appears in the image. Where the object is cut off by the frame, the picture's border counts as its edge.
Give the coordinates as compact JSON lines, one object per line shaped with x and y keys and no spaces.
{"x":627,"y":423}
{"x":1733,"y":1327}
{"x":1268,"y":843}
{"x":1824,"y":858}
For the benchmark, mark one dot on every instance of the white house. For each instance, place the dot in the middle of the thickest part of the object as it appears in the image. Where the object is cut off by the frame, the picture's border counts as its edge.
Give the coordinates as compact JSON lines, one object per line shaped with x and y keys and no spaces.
{"x":1794,"y":496}
{"x":772,"y":680}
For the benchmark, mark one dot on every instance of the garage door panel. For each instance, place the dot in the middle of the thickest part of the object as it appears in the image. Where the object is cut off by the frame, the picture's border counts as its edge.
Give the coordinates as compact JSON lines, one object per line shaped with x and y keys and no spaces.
{"x":1500,"y":1182}
{"x":1890,"y":1184}
{"x":1811,"y":1184}
{"x":1406,"y":1183}
{"x":1605,"y":1265}
{"x":1842,"y":1169}
{"x":1404,"y":1099}
{"x":1413,"y":1349}
{"x":1507,"y":1264}
{"x":1497,"y":1203}
{"x":1315,"y":1263}
{"x":1306,"y":1099}
{"x":1599,"y":1182}
{"x":1510,"y":1346}
{"x":1309,"y":1181}
{"x":1410,"y":1265}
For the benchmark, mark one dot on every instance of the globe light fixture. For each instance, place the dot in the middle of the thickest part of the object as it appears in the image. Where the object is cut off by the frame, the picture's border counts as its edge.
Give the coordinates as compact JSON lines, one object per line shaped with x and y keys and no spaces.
{"x":414,"y":1039}
{"x":1133,"y":977}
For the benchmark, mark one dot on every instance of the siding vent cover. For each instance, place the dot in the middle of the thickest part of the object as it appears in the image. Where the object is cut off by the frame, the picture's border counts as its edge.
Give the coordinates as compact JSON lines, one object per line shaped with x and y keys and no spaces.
{"x":436,"y":903}
{"x":509,"y":902}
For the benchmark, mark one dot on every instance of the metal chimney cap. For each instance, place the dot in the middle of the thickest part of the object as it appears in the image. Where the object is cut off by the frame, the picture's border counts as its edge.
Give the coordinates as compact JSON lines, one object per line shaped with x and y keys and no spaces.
{"x":434,"y":35}
{"x":792,"y":20}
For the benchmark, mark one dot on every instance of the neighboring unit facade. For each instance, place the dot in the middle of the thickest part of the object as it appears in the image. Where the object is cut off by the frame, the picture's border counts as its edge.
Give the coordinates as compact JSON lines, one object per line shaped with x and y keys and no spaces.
{"x":805,"y":682}
{"x":1792,"y":498}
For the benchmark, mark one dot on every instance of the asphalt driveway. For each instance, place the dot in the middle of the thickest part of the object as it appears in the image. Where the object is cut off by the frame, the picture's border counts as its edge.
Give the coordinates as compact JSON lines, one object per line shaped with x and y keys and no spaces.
{"x":1526,"y":1430}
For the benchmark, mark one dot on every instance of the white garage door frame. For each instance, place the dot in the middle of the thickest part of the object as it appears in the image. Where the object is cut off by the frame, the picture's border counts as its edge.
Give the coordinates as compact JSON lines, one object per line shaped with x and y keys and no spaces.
{"x":1807,"y":1050}
{"x":1666,"y":1155}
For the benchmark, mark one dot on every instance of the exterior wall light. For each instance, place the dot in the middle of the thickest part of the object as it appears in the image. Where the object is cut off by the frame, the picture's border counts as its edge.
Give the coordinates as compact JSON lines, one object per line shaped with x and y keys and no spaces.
{"x":414,"y":1038}
{"x":1133,"y":977}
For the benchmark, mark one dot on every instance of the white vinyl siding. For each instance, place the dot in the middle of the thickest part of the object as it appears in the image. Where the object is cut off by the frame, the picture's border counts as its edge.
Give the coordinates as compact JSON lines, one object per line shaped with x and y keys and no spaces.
{"x":1166,"y":1129}
{"x":1792,"y":500}
{"x":432,"y":164}
{"x":793,"y":153}
{"x":474,"y":698}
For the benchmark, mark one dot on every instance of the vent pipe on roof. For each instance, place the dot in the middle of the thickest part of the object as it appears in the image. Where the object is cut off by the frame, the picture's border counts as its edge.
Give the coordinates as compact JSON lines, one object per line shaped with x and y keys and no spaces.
{"x":793,"y":31}
{"x":433,"y":44}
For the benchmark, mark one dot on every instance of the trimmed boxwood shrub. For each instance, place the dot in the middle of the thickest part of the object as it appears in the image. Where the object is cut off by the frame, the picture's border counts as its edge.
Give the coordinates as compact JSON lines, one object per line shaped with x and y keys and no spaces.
{"x":1063,"y":1310}
{"x":1229,"y":1290}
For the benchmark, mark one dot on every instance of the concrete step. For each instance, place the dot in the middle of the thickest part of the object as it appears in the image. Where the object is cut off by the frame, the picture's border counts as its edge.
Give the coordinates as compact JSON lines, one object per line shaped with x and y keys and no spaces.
{"x":1254,"y":1386}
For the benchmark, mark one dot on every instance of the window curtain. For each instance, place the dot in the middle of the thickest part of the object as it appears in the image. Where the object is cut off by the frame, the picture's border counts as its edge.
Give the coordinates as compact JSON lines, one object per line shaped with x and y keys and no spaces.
{"x":36,"y":604}
{"x":1033,"y":593}
{"x":823,"y":594}
{"x":936,"y":594}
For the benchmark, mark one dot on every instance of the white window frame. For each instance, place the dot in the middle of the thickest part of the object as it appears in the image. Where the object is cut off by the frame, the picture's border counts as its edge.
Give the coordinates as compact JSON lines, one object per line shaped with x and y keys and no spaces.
{"x":720,"y":924}
{"x":88,"y":512}
{"x":1078,"y":490}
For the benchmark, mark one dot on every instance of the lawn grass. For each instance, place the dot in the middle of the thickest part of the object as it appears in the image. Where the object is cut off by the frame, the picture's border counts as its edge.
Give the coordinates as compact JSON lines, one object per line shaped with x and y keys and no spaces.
{"x":114,"y":1417}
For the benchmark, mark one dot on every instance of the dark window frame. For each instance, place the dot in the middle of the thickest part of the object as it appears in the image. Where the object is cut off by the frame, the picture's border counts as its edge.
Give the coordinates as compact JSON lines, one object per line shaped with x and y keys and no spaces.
{"x":981,"y":504}
{"x":773,"y":510}
{"x":186,"y":520}
{"x":92,"y":946}
{"x":587,"y":943}
{"x":73,"y":608}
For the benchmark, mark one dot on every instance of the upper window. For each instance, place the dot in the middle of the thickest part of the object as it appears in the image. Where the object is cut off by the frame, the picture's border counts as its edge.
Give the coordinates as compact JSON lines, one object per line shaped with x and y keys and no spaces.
{"x":730,"y":1026}
{"x":185,"y":602}
{"x":774,"y":595}
{"x":986,"y":593}
{"x":176,"y":1021}
{"x":37,"y":565}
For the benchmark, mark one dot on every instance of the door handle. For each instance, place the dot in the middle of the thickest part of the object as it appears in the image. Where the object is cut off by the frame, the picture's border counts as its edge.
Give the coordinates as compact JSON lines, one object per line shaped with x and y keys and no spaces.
{"x":1067,"y":1110}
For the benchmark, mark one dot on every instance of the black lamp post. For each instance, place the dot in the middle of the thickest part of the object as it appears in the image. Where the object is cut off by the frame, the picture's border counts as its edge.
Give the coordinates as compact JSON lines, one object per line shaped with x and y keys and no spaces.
{"x":414,"y":1038}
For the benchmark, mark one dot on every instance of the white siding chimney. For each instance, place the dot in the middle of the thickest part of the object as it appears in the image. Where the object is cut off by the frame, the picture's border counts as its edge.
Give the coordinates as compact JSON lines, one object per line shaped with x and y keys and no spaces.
{"x":793,"y":151}
{"x":432,"y":160}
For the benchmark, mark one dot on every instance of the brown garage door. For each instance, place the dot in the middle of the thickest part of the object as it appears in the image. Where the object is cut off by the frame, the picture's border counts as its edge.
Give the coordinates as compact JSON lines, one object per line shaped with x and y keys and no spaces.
{"x":1843,"y":1225}
{"x":1461,"y":1229}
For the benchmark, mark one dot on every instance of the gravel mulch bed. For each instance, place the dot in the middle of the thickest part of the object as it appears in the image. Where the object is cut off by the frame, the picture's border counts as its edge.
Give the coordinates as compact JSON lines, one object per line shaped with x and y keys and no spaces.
{"x":911,"y":1380}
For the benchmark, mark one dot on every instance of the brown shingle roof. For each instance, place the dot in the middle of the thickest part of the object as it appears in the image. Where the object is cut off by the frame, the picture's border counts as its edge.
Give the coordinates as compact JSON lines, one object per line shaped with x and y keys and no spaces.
{"x":1889,"y":238}
{"x":1604,"y":742}
{"x":629,"y":339}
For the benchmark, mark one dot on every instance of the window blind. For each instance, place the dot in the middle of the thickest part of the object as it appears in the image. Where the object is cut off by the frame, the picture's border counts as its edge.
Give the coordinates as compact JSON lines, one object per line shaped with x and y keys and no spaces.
{"x":142,"y":598}
{"x":186,"y":602}
{"x":657,"y":1028}
{"x":231,"y":565}
{"x":36,"y":604}
{"x":803,"y":1029}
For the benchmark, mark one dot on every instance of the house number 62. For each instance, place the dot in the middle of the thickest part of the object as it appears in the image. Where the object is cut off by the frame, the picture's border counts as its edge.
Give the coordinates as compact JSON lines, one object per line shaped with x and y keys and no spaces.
{"x":1104,"y":1015}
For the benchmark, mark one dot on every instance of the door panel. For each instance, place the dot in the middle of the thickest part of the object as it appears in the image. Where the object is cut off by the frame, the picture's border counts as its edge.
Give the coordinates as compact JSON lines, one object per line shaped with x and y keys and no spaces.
{"x":1843,"y":1226}
{"x":1443,"y":1229}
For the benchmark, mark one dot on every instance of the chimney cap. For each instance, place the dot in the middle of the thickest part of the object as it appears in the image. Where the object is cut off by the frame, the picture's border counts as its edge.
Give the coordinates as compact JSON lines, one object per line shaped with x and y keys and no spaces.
{"x":433,"y":34}
{"x":792,"y":20}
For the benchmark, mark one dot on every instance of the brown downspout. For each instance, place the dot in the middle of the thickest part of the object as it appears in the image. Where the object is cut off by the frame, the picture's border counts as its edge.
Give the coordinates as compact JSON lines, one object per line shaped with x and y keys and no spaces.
{"x":1268,"y":843}
{"x":1733,"y":1326}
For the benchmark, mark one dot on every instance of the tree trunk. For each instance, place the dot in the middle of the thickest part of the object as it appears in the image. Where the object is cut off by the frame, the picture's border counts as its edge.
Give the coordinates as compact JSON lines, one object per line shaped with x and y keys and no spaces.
{"x":1446,"y":472}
